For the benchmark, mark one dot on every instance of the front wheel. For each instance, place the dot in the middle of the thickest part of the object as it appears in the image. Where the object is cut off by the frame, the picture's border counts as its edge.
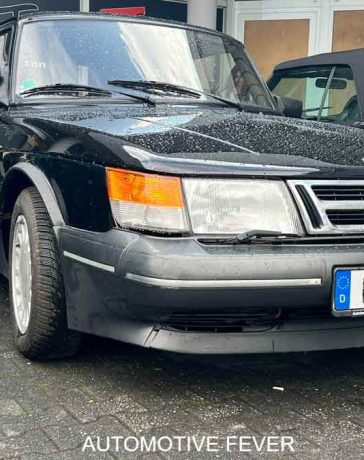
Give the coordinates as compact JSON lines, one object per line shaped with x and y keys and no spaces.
{"x":36,"y":283}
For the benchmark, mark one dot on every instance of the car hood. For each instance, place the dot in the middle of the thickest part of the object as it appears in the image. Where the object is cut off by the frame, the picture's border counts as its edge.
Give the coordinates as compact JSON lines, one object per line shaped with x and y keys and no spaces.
{"x":201,"y":140}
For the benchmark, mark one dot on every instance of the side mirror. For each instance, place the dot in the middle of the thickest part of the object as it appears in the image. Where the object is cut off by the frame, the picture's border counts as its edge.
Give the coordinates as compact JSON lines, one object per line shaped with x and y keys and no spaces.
{"x":290,"y":107}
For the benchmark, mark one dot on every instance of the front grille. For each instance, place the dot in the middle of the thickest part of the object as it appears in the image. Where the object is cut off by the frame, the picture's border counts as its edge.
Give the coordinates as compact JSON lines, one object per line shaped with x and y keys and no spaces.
{"x":346,"y":216}
{"x":254,"y":320}
{"x":330,"y":206}
{"x":339,"y":192}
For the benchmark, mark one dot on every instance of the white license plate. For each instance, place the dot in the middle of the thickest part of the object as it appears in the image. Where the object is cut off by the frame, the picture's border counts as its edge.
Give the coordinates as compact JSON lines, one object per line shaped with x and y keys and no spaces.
{"x":348,"y":295}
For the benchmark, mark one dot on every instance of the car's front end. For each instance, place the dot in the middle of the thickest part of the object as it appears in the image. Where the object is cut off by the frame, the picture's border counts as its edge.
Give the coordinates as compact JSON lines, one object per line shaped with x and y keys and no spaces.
{"x":190,"y":214}
{"x":208,"y":290}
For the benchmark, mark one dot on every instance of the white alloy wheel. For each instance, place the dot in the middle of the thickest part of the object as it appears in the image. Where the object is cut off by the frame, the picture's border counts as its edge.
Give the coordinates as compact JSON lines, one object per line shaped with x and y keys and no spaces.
{"x":21,"y":274}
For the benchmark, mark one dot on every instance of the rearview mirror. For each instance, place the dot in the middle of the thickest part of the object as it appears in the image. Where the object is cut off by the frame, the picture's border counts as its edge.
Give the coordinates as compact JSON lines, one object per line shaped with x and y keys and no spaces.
{"x":335,"y":83}
{"x":290,"y":107}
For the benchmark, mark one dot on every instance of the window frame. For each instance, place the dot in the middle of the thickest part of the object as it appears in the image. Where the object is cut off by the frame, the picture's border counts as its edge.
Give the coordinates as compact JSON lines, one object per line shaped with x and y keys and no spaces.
{"x":11,"y":28}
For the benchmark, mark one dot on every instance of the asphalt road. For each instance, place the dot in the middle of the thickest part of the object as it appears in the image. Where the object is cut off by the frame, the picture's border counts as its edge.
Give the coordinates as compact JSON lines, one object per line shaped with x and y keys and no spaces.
{"x":47,"y":410}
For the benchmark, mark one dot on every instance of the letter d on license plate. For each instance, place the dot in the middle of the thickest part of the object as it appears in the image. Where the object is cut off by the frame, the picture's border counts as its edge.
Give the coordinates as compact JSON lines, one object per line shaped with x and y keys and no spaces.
{"x":348,"y":296}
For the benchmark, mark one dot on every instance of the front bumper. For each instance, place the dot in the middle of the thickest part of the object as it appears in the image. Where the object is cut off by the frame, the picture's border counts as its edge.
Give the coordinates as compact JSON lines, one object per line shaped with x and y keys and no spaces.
{"x":132,"y":287}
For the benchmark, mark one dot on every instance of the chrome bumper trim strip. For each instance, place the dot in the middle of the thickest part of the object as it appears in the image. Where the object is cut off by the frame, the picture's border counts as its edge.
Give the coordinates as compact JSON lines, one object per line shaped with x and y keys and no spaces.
{"x":90,"y":262}
{"x":223,"y":284}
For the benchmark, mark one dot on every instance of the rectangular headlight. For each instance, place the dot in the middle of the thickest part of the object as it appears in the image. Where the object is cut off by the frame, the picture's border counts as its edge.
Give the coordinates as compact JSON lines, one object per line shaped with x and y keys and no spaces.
{"x":234,"y":206}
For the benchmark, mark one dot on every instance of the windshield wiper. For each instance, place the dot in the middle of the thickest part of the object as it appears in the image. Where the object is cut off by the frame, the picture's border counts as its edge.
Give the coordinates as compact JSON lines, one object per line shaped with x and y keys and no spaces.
{"x":61,"y":88}
{"x":66,"y":88}
{"x":170,"y":87}
{"x":158,"y":85}
{"x":257,"y":235}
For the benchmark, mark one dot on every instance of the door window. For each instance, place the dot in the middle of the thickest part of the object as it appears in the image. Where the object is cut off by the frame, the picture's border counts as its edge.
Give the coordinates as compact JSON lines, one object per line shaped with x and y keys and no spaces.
{"x":5,"y":40}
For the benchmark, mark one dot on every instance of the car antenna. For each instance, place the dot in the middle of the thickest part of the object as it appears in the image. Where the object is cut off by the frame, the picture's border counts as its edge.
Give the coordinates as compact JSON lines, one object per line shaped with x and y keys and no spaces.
{"x":15,"y":10}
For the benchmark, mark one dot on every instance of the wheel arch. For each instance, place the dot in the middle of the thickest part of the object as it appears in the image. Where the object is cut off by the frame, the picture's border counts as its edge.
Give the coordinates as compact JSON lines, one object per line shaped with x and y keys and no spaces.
{"x":19,"y":177}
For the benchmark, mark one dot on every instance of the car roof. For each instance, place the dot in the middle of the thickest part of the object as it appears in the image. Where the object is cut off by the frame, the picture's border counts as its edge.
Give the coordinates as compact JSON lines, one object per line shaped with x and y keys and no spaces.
{"x":351,"y":58}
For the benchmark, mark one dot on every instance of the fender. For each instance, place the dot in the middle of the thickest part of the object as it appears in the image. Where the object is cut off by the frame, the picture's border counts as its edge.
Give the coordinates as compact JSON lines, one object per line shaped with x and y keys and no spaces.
{"x":45,"y":190}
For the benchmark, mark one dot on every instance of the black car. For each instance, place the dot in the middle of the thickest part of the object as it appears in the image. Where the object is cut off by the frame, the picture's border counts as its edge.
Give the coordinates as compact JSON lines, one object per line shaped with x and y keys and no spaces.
{"x":153,"y":193}
{"x":330,"y":86}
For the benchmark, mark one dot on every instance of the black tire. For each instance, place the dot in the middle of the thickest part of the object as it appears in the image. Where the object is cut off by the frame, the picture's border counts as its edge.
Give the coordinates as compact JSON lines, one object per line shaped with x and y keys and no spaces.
{"x":47,"y":334}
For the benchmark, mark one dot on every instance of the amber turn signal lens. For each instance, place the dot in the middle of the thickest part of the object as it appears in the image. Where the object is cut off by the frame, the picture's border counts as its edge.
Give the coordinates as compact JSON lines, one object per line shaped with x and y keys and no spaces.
{"x":146,"y":201}
{"x":145,"y":189}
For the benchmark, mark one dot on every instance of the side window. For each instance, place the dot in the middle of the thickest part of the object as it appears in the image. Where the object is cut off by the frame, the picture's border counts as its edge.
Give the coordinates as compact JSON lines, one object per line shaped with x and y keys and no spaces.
{"x":5,"y":47}
{"x":5,"y":42}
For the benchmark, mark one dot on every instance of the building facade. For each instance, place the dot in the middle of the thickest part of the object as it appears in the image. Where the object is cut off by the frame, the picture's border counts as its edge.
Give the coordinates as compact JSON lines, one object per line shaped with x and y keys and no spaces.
{"x":277,"y":30}
{"x":272,"y":30}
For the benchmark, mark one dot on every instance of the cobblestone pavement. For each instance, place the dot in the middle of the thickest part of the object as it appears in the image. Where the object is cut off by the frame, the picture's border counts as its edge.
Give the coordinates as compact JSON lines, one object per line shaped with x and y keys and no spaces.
{"x":111,"y":389}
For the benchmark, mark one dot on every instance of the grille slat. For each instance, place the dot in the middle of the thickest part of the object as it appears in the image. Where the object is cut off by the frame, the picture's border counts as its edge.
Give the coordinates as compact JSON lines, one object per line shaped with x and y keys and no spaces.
{"x":339,"y":193}
{"x":346,"y":217}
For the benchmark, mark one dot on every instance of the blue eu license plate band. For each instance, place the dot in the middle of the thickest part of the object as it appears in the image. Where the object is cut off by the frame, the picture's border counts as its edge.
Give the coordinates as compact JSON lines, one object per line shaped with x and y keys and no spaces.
{"x":348,"y":296}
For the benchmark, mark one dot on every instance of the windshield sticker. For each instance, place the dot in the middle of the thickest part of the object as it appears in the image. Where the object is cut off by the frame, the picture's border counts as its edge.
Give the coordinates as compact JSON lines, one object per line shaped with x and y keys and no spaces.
{"x":28,"y":84}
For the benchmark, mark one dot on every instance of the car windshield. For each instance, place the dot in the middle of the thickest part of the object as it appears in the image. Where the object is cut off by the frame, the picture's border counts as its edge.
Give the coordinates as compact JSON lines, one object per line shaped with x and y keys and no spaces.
{"x":328,"y":93}
{"x":93,"y":52}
